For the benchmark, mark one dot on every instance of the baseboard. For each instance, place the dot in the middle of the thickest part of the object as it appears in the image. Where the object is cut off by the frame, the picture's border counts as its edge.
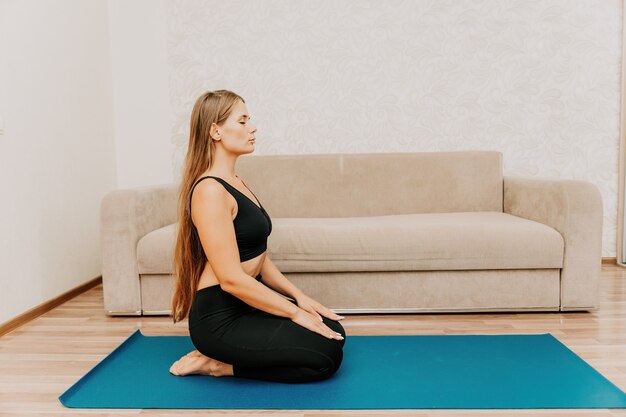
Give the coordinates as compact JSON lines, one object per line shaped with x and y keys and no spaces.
{"x":43,"y":308}
{"x":609,"y":261}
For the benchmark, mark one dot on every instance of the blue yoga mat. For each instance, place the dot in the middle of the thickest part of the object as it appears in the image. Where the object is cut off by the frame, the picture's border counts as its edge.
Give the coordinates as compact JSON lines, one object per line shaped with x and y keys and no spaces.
{"x":378,"y":372}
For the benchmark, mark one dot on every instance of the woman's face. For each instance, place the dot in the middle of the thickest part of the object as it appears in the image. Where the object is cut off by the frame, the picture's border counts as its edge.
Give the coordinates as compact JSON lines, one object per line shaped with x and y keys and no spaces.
{"x":236,"y":132}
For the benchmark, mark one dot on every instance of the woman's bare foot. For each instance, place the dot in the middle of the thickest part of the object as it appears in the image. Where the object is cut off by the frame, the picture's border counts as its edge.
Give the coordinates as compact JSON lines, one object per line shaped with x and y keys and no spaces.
{"x":196,"y":363}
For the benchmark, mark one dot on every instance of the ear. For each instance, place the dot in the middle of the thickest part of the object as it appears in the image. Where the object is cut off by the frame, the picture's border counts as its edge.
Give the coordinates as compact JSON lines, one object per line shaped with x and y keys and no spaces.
{"x":214,"y":132}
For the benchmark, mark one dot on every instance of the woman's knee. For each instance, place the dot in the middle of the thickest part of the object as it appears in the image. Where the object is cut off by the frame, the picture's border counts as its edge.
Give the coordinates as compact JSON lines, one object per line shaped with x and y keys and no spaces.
{"x":334,"y":352}
{"x":328,"y":365}
{"x":336,"y":326}
{"x":320,"y":354}
{"x":337,"y":358}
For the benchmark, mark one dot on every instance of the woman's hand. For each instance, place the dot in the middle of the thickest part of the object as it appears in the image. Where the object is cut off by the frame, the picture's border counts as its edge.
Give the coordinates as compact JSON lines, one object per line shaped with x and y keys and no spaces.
{"x":311,"y":322}
{"x":310,"y":305}
{"x":307,"y":316}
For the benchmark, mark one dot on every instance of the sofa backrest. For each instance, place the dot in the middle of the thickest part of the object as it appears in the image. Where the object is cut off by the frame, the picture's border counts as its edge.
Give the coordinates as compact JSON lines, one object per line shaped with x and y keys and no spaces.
{"x":355,"y":185}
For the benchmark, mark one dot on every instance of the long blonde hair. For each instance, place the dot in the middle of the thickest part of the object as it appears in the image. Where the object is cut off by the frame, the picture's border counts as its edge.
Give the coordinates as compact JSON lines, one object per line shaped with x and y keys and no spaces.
{"x":189,"y":257}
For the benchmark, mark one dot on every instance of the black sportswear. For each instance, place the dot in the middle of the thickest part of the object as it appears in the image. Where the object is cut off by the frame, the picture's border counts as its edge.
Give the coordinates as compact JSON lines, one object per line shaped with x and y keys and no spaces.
{"x":252,"y":223}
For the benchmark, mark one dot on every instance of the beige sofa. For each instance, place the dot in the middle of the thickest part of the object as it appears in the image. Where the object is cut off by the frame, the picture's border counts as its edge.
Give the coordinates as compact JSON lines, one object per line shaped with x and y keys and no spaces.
{"x":384,"y":233}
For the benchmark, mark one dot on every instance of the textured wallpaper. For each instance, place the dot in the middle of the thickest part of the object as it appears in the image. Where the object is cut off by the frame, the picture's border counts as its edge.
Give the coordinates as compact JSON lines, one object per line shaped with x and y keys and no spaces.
{"x":537,"y":80}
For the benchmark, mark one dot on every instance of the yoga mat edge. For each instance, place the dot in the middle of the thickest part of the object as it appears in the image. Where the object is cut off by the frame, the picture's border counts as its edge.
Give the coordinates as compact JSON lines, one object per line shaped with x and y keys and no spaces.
{"x":66,"y":397}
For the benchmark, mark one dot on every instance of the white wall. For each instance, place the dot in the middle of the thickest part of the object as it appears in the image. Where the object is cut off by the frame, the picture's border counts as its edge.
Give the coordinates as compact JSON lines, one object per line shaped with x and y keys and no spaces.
{"x":57,"y":153}
{"x":140,"y":83}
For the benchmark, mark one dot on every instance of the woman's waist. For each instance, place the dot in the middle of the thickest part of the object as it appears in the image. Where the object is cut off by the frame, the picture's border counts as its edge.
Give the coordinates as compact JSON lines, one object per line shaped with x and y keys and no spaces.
{"x":213,"y":301}
{"x":215,"y":286}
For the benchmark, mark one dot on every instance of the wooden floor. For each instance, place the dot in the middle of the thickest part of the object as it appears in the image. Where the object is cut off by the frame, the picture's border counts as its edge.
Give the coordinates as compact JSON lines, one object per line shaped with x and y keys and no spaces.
{"x":43,"y":358}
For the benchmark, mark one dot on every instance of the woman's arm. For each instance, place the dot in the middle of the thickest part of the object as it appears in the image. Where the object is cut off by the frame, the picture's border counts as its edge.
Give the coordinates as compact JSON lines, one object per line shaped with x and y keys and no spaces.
{"x":273,"y":278}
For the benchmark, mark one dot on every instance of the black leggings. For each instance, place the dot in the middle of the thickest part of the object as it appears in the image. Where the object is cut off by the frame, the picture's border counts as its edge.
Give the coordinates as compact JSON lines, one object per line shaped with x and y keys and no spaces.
{"x":260,"y":345}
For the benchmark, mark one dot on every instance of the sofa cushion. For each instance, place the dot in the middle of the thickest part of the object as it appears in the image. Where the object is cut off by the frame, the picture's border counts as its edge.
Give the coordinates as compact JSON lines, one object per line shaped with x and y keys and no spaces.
{"x":403,"y":242}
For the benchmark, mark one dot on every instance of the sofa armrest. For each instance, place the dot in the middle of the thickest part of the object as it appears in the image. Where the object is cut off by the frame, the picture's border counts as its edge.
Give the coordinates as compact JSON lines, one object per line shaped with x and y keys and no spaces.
{"x":574,"y":209}
{"x":125,"y":217}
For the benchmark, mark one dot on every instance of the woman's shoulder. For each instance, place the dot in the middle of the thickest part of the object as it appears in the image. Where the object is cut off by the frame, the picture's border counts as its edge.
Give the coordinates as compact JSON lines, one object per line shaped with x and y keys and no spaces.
{"x":208,"y":197}
{"x":208,"y":188}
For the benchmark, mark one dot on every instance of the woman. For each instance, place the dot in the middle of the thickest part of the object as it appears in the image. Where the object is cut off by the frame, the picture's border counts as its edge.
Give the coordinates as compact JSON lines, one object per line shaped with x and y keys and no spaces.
{"x":239,"y":326}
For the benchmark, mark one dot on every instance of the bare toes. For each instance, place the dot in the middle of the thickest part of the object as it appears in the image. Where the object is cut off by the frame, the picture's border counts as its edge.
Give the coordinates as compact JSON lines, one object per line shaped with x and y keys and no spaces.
{"x":174,"y":368}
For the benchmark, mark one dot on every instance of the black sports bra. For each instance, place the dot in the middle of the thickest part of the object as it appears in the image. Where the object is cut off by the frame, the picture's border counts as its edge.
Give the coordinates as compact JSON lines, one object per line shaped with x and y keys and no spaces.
{"x":252,"y":223}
